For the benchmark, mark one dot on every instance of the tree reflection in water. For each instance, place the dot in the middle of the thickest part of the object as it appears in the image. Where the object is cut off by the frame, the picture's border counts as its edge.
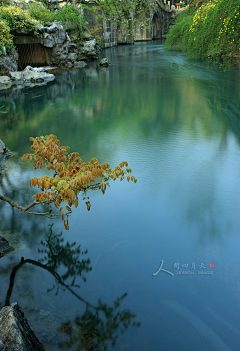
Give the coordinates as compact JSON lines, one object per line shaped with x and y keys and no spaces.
{"x":100,"y":324}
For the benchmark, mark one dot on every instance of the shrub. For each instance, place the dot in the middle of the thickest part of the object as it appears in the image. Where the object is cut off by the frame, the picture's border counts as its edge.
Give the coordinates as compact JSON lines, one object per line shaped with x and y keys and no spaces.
{"x":6,"y":39}
{"x":18,"y":18}
{"x":41,"y":14}
{"x":212,"y":31}
{"x":69,"y":16}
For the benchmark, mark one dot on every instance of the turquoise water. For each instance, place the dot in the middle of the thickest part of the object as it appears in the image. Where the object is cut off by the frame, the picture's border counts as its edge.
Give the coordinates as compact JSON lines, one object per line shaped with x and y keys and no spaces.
{"x":177,"y":123}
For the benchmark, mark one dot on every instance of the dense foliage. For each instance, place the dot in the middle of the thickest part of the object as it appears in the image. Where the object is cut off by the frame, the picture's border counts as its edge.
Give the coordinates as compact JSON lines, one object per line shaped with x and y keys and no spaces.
{"x":6,"y":39}
{"x":14,"y":18}
{"x":210,"y":31}
{"x":69,"y":16}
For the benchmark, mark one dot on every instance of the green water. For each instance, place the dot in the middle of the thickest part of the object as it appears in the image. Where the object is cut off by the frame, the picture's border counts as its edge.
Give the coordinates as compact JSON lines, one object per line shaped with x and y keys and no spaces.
{"x":177,"y":123}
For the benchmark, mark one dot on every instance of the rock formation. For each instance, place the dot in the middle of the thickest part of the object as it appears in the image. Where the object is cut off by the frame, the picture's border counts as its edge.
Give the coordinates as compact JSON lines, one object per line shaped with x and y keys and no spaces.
{"x":15,"y":332}
{"x":4,"y":248}
{"x":104,"y":62}
{"x":8,"y":63}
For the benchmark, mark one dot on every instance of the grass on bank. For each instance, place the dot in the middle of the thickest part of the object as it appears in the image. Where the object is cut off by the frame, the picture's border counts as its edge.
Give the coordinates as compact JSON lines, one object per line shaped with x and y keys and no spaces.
{"x":211,"y":31}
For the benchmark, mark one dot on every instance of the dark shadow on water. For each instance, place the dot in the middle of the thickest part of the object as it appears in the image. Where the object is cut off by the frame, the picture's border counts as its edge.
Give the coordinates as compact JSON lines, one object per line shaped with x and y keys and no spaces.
{"x":100,"y":324}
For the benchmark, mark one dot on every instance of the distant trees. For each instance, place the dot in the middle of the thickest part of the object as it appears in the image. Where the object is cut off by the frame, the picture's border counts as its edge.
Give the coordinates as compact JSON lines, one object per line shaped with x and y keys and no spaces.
{"x":119,"y":12}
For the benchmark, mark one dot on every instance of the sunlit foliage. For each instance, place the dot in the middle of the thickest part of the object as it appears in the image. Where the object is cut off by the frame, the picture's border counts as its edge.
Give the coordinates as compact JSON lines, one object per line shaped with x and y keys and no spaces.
{"x":13,"y":17}
{"x":210,"y":31}
{"x":71,"y":175}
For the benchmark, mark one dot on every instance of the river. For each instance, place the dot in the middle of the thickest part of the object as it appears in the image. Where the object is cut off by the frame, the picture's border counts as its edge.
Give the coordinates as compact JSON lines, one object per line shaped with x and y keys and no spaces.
{"x":153,"y":265}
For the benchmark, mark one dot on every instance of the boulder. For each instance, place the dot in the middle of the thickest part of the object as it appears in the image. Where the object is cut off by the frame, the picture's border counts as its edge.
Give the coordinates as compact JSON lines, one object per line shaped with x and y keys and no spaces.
{"x":72,"y":57}
{"x":5,"y":82}
{"x":4,"y":79}
{"x":16,"y":76}
{"x":4,"y":248}
{"x":4,"y":155}
{"x":36,"y":77}
{"x":104,"y":62}
{"x":53,"y":35}
{"x":34,"y":69}
{"x":89,"y":50}
{"x":15,"y":332}
{"x":80,"y":64}
{"x":9,"y":63}
{"x":60,"y":53}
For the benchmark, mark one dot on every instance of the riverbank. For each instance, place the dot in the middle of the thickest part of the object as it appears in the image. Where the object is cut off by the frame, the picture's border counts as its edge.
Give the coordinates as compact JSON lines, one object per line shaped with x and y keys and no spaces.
{"x":210,"y":31}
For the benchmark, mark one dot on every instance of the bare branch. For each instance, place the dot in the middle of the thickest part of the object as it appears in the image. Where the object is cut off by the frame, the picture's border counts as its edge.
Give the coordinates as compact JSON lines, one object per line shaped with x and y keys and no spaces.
{"x":25,"y":209}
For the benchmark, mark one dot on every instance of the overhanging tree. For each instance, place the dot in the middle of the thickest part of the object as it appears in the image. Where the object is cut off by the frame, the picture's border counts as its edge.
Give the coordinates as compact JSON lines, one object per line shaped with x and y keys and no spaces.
{"x":71,"y":177}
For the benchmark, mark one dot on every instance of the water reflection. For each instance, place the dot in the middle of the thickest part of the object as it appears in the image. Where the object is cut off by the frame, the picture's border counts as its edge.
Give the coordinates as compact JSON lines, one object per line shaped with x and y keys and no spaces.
{"x":154,"y":99}
{"x":176,"y":121}
{"x":98,"y":324}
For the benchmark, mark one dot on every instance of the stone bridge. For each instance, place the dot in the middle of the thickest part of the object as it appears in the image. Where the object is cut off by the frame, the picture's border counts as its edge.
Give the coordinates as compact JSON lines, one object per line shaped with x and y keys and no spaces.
{"x":159,"y":18}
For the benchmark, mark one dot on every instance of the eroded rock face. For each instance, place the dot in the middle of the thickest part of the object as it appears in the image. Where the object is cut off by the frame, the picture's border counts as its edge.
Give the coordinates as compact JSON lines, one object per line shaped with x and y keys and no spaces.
{"x":89,"y":50}
{"x":53,"y":35}
{"x":9,"y":63}
{"x":4,"y":155}
{"x":72,"y":57}
{"x":3,"y":148}
{"x":15,"y":332}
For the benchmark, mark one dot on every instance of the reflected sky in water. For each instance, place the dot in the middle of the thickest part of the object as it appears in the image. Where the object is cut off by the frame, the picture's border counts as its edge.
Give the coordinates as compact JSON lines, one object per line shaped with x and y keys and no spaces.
{"x":176,"y":121}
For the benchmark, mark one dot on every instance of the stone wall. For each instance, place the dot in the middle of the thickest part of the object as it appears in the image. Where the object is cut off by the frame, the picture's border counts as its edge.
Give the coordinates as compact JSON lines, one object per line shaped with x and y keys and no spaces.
{"x":105,"y":31}
{"x":159,"y":19}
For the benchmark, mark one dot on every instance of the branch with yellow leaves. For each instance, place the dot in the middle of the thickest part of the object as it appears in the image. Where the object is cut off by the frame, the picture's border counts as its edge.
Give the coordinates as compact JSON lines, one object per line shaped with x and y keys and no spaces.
{"x":71,"y":176}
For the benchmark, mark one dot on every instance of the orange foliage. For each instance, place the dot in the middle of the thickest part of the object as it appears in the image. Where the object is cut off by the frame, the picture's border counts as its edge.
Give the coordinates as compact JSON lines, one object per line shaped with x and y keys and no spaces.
{"x":71,"y":174}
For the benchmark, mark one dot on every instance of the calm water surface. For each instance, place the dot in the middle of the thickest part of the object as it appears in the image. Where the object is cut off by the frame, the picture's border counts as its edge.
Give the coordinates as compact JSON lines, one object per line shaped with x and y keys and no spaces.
{"x":176,"y":121}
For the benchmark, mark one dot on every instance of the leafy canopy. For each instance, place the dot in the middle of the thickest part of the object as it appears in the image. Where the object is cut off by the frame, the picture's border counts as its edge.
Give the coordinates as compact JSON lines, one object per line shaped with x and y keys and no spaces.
{"x":71,"y":175}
